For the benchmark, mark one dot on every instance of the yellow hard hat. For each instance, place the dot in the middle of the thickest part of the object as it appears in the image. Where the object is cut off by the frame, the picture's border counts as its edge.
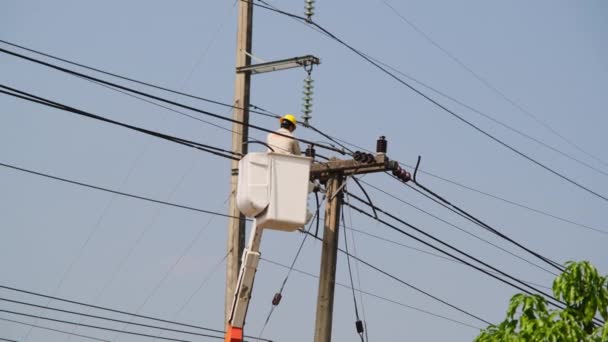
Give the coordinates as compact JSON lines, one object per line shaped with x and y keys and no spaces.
{"x":289,"y":117}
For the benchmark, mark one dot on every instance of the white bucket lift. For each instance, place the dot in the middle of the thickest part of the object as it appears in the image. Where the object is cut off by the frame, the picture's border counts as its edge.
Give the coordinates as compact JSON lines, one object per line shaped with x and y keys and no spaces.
{"x":272,"y":188}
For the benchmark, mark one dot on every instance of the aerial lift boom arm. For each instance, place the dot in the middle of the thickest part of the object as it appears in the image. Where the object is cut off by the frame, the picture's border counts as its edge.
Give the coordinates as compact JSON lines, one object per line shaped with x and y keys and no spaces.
{"x":244,"y":286}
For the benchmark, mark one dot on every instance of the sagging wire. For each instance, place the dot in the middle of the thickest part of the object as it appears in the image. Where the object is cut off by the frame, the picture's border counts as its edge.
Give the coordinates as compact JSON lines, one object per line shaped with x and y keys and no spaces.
{"x":357,"y":269}
{"x":150,"y":96}
{"x":477,"y":221}
{"x":358,"y":322}
{"x":276,"y":299}
{"x":366,"y":195}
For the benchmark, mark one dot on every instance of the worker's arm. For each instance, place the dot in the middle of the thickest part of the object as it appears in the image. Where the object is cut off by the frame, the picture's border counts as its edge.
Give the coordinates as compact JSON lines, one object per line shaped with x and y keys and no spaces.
{"x":296,"y":147}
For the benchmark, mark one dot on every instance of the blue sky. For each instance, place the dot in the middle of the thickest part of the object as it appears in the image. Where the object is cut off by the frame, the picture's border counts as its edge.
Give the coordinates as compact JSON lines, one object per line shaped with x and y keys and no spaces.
{"x":550,"y":57}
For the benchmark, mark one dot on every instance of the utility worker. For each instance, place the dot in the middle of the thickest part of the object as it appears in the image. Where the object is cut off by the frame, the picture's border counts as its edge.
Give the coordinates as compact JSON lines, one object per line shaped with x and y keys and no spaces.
{"x":281,"y":141}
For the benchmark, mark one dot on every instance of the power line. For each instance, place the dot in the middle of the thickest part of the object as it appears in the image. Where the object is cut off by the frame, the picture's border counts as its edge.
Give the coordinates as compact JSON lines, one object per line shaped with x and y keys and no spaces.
{"x":378,"y":269}
{"x":336,"y":140}
{"x":51,"y":329}
{"x":105,"y":318}
{"x":113,"y":191}
{"x":560,"y":305}
{"x":115,"y":310}
{"x":470,"y":188}
{"x":460,"y":229}
{"x":46,"y":102}
{"x":358,"y":323}
{"x":486,"y":83}
{"x":118,"y":76}
{"x":168,"y":272}
{"x":454,"y":208}
{"x":439,"y":105}
{"x":217,"y":116}
{"x":489,"y":117}
{"x":377,"y":237}
{"x":400,"y":244}
{"x":184,"y":252}
{"x":6,"y":339}
{"x":202,"y":284}
{"x":458,"y":251}
{"x":375,"y":295}
{"x":358,"y":270}
{"x":213,"y":39}
{"x":513,"y":203}
{"x":255,"y":110}
{"x":279,"y":295}
{"x":95,"y":326}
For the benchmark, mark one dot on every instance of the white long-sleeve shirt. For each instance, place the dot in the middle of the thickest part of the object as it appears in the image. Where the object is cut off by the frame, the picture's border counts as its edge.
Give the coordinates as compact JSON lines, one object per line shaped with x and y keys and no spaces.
{"x":283,"y":144}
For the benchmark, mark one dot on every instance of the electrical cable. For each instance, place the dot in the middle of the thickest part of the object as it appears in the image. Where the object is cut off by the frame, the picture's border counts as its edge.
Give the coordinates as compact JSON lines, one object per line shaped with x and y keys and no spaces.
{"x":461,"y":229}
{"x":218,"y":30}
{"x":488,"y":85}
{"x":370,"y":294}
{"x":96,"y":327}
{"x":559,"y":303}
{"x":147,"y":84}
{"x":377,"y":237}
{"x":117,"y":311}
{"x":265,"y":112}
{"x":298,"y":19}
{"x":43,"y":101}
{"x":358,"y":322}
{"x":256,"y":109}
{"x":487,"y":227}
{"x":115,"y":192}
{"x":51,"y":329}
{"x":470,"y":188}
{"x":217,"y":116}
{"x":168,"y":272}
{"x":378,"y":269}
{"x":443,"y":243}
{"x":491,"y":118}
{"x":439,"y":105}
{"x":484,"y":226}
{"x":104,"y":318}
{"x":466,"y":187}
{"x":279,"y":295}
{"x":200,"y":287}
{"x":6,"y":339}
{"x":352,"y":234}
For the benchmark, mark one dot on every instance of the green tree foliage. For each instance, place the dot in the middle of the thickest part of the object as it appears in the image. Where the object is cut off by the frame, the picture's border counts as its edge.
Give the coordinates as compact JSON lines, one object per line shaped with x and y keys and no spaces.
{"x":585,"y":293}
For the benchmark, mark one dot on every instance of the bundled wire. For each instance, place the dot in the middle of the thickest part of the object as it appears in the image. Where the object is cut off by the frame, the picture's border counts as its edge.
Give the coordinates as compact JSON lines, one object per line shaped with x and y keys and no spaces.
{"x":49,"y":103}
{"x":157,"y":98}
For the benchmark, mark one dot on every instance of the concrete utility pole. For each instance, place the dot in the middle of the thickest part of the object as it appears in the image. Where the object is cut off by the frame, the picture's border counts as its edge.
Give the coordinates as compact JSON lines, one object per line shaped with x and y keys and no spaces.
{"x":240,"y":134}
{"x":327,"y":280}
{"x":334,"y":173}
